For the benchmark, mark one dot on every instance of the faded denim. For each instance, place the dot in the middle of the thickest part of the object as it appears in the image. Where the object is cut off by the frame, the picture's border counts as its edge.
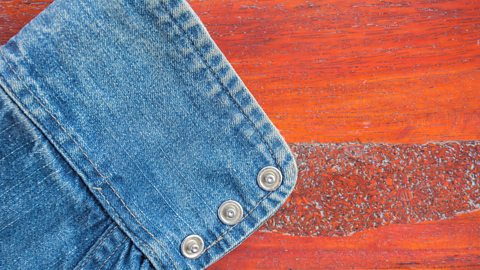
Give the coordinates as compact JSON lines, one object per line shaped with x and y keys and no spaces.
{"x":122,"y":130}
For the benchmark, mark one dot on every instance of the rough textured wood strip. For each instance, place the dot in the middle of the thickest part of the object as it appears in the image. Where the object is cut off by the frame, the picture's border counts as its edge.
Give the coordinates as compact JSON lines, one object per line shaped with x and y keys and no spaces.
{"x":367,"y":71}
{"x":335,"y":71}
{"x":446,"y":244}
{"x":346,"y":188}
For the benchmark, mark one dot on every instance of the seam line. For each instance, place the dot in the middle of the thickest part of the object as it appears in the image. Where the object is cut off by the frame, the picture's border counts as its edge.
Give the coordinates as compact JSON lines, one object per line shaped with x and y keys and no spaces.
{"x":239,"y":107}
{"x":225,"y":89}
{"x":84,"y":154}
{"x":215,"y":75}
{"x":86,"y":8}
{"x":117,"y":215}
{"x":113,"y":252}
{"x":96,"y":247}
{"x":221,"y":236}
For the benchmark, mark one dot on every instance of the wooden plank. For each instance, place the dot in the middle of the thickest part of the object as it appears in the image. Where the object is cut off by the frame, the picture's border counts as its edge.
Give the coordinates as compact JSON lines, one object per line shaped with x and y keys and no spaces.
{"x":334,"y":71}
{"x":446,"y":244}
{"x":14,"y":14}
{"x":363,"y":71}
{"x":346,"y":188}
{"x":362,"y":206}
{"x":370,"y":71}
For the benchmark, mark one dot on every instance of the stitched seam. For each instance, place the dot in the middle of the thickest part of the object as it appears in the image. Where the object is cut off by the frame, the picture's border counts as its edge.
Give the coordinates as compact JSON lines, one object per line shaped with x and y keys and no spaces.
{"x":221,"y":236}
{"x":96,"y":247}
{"x":86,"y":8}
{"x":143,"y":242}
{"x":146,"y":178}
{"x":224,"y":87}
{"x":113,"y":252}
{"x":84,"y":154}
{"x":219,"y":81}
{"x":239,"y":107}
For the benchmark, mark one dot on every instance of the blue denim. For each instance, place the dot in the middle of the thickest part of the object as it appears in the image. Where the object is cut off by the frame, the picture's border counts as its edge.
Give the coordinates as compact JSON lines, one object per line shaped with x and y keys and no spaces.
{"x":123,"y":128}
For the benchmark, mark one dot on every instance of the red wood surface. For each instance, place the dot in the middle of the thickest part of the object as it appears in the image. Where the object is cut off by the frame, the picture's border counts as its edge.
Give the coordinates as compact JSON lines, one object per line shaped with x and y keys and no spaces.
{"x":357,"y":88}
{"x":346,"y":188}
{"x":356,"y":70}
{"x":447,"y":244}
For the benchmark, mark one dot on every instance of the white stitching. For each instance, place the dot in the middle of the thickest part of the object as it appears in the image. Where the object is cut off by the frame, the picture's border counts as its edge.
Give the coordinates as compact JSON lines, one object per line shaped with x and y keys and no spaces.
{"x":85,"y":155}
{"x":141,"y":240}
{"x":96,"y":247}
{"x":215,"y":75}
{"x":113,"y":252}
{"x":239,"y":107}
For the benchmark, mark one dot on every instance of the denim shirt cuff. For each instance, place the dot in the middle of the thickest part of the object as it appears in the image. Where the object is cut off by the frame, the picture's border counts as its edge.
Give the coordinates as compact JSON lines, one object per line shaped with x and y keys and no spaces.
{"x":141,"y":103}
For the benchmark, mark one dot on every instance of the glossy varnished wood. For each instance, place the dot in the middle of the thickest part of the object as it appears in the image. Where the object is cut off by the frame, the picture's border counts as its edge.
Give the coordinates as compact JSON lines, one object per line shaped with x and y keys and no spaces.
{"x":334,"y":71}
{"x":447,"y":244}
{"x":329,"y":73}
{"x":368,"y":71}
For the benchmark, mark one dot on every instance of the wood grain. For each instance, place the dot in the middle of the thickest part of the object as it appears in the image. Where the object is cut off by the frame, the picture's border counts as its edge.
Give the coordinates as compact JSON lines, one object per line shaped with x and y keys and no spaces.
{"x":346,"y":188}
{"x":333,"y":72}
{"x":448,"y":244}
{"x":14,"y":14}
{"x":369,"y":71}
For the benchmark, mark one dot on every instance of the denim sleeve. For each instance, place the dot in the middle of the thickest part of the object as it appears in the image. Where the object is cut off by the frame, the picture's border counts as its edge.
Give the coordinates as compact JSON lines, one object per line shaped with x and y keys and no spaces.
{"x":128,"y":141}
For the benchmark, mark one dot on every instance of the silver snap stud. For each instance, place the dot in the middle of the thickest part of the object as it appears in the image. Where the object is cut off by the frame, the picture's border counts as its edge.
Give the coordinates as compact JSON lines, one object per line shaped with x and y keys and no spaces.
{"x":269,"y":178}
{"x":192,"y":246}
{"x":230,"y":212}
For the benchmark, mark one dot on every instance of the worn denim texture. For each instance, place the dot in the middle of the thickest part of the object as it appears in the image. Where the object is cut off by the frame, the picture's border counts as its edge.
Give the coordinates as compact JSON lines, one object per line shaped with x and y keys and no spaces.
{"x":122,"y":130}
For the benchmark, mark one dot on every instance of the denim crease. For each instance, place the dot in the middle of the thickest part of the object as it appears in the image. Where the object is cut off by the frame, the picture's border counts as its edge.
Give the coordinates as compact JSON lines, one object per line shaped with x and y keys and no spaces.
{"x":146,"y":121}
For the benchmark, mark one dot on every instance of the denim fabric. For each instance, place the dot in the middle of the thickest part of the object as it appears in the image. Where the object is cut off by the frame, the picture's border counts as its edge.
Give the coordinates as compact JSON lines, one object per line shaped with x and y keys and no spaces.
{"x":123,"y":128}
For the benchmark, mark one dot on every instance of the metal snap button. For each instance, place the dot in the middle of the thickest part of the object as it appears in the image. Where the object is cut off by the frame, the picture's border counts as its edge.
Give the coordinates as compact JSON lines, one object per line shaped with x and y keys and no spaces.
{"x":192,"y":246}
{"x":269,"y":178}
{"x":230,"y":212}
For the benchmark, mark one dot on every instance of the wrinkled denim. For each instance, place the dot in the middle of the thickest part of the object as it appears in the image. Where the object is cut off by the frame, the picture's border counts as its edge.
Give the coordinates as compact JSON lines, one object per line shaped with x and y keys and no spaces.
{"x":122,"y":129}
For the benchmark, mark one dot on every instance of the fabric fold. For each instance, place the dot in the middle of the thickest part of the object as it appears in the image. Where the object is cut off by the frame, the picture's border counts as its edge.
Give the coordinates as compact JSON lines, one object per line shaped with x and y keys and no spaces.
{"x":139,"y":100}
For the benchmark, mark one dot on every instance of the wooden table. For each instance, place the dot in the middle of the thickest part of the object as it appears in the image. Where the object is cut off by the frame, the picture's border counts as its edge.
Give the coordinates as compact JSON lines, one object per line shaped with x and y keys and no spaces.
{"x":380,"y":101}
